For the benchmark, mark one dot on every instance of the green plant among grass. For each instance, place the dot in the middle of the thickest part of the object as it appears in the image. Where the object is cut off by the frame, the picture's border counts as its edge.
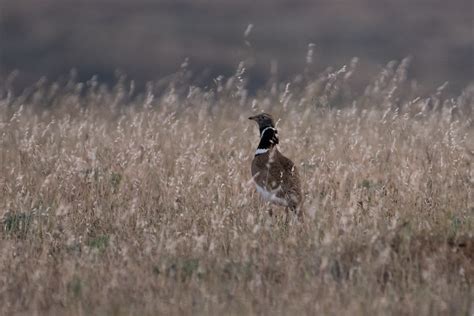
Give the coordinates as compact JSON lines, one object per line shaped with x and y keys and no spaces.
{"x":22,"y":224}
{"x":115,"y":179}
{"x":75,"y":286}
{"x":100,"y":242}
{"x":17,"y":223}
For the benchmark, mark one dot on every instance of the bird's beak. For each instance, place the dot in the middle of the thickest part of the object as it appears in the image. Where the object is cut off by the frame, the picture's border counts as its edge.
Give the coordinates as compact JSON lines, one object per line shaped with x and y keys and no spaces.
{"x":252,"y":118}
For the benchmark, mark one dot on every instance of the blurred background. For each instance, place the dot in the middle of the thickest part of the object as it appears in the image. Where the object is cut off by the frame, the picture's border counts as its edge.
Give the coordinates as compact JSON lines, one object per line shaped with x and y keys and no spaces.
{"x":150,"y":39}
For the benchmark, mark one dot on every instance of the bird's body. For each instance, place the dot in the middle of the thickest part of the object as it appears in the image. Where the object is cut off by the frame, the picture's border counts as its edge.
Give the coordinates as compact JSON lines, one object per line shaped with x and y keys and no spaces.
{"x":276,"y":177}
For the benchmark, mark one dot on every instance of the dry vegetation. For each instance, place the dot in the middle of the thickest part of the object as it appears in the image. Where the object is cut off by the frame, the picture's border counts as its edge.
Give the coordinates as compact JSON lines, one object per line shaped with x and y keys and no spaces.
{"x":117,"y":204}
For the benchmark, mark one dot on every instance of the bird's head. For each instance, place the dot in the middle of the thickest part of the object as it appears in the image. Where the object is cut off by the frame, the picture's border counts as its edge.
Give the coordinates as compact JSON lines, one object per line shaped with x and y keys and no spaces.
{"x":263,"y":120}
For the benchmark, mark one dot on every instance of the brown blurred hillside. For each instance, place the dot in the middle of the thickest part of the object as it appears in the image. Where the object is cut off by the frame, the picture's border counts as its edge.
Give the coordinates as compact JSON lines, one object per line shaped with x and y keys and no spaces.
{"x":150,"y":39}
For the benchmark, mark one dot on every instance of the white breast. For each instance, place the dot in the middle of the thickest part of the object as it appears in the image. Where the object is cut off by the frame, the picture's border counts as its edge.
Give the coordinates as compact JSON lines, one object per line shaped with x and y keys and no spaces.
{"x":271,"y":195}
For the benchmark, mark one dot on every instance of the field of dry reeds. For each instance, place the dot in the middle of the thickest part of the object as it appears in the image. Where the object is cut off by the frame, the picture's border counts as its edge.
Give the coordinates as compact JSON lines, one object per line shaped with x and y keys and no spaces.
{"x":115,"y":202}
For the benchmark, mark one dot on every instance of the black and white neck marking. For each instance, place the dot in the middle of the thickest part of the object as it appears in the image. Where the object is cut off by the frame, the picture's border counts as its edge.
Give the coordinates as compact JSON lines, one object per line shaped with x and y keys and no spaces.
{"x":268,"y":139}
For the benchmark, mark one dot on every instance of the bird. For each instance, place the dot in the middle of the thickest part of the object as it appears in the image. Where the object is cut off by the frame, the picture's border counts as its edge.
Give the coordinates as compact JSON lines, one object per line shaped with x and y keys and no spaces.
{"x":276,"y":176}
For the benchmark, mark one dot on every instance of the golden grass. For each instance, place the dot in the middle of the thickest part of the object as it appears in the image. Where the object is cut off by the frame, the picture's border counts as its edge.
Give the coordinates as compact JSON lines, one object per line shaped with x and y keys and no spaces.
{"x":116,"y":205}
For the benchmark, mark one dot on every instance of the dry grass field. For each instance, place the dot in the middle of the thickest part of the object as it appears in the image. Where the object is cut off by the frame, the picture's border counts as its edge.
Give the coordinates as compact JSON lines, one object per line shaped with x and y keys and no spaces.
{"x":114,"y":203}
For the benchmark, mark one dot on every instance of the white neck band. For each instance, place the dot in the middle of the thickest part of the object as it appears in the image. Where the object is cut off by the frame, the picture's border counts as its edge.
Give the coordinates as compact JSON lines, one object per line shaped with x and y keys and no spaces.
{"x":265,"y":129}
{"x":261,"y":151}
